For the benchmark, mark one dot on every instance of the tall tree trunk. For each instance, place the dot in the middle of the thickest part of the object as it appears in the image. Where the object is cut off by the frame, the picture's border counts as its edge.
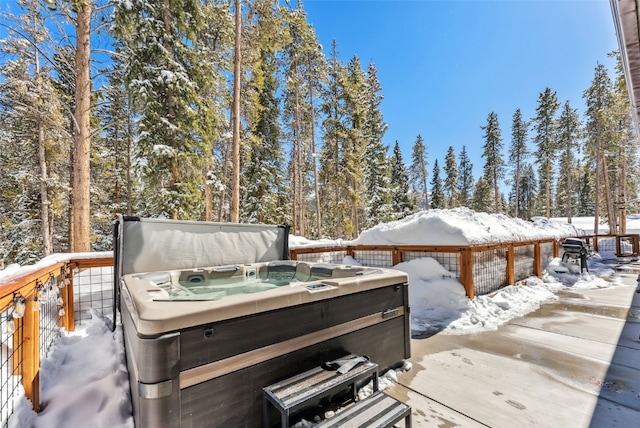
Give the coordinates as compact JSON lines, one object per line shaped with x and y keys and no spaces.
{"x":42,"y":160}
{"x":169,"y":102}
{"x":547,"y":188}
{"x":611,"y":217}
{"x":82,"y":134}
{"x":596,"y":213}
{"x":225,"y":181}
{"x":314,"y":157}
{"x":129,"y":144}
{"x":569,"y":195}
{"x":623,"y":196}
{"x":235,"y":158}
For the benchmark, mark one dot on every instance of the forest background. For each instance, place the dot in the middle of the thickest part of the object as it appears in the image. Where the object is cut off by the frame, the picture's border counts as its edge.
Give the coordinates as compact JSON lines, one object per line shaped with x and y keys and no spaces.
{"x":228,"y":110}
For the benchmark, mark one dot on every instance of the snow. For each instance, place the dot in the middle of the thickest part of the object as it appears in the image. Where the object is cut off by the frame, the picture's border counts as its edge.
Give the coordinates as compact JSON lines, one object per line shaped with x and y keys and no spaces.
{"x":84,"y":381}
{"x":461,"y":226}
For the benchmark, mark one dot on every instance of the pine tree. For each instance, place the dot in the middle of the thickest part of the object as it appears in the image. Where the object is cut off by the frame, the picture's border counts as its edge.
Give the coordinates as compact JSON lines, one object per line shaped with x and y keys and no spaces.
{"x":304,"y":74}
{"x":483,"y":199}
{"x":437,"y":192}
{"x":465,"y":181}
{"x":168,"y":76}
{"x":518,"y":154}
{"x":418,"y":171}
{"x":333,"y":193}
{"x":33,"y":137}
{"x":451,"y":179}
{"x":377,"y":169}
{"x":402,"y":202}
{"x":355,"y":92}
{"x":494,"y":164}
{"x":262,"y":179}
{"x":545,"y":139}
{"x":528,"y":192}
{"x":599,"y":134}
{"x":569,"y":131}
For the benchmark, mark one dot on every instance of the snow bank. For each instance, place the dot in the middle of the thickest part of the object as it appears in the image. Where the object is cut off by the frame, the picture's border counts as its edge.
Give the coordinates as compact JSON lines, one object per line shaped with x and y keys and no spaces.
{"x":461,"y":226}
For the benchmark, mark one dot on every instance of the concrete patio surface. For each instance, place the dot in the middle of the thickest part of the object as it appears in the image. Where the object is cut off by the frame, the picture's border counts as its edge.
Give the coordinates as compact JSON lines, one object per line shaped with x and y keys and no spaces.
{"x":574,"y":362}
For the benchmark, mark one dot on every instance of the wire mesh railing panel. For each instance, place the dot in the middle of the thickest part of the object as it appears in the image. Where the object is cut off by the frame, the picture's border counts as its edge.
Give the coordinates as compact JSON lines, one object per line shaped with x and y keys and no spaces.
{"x":626,"y":246}
{"x":546,"y":254}
{"x":450,"y":261}
{"x":374,"y":258}
{"x":325,"y":257}
{"x":524,"y":261}
{"x":49,"y":306}
{"x":489,"y":270}
{"x":92,"y":288}
{"x":11,"y":360}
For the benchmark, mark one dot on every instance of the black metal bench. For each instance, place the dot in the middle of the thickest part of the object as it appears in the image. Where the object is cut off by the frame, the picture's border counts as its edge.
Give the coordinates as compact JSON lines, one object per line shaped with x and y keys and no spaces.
{"x":376,"y":411}
{"x":298,"y":392}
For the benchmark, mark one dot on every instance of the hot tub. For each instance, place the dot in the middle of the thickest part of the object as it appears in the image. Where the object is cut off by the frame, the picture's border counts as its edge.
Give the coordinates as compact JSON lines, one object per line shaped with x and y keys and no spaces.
{"x":202,"y":342}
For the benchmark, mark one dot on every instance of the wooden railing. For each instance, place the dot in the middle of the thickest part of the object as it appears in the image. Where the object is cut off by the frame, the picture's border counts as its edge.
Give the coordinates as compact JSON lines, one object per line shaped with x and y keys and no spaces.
{"x":34,"y":305}
{"x":482,"y":269}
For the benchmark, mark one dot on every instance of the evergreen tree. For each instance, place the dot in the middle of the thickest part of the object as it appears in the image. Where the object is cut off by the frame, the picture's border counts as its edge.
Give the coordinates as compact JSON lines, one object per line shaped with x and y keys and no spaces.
{"x":33,"y":137}
{"x":451,"y":179}
{"x":545,"y":139}
{"x":599,"y":134}
{"x":494,"y":164}
{"x":586,"y":192}
{"x":377,"y":171}
{"x":465,"y":181}
{"x":483,"y":199}
{"x":418,"y":171}
{"x":528,"y":192}
{"x":263,"y":200}
{"x":333,"y":191}
{"x":356,"y":103}
{"x":168,"y":76}
{"x":518,"y":153}
{"x":401,"y":201}
{"x":304,"y":74}
{"x":437,"y":192}
{"x":568,"y":138}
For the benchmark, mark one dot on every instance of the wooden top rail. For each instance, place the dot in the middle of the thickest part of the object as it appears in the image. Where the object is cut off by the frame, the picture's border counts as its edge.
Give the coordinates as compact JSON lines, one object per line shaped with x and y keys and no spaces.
{"x":26,"y":284}
{"x":419,"y":248}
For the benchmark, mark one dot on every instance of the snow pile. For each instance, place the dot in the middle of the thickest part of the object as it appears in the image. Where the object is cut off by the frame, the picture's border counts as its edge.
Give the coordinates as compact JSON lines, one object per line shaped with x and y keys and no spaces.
{"x":84,"y":383}
{"x":461,"y":226}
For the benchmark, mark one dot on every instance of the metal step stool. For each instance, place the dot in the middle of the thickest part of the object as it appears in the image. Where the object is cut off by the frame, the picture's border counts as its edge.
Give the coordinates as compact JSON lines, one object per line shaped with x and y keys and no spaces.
{"x":299,"y":392}
{"x":376,"y":411}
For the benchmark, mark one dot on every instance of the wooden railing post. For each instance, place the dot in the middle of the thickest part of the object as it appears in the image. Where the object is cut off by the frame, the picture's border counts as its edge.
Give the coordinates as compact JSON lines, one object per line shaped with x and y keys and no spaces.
{"x":556,"y":249}
{"x":31,"y":353}
{"x":466,"y":271}
{"x":396,"y":256}
{"x":511,"y":265}
{"x":537,"y":260}
{"x":68,"y":321}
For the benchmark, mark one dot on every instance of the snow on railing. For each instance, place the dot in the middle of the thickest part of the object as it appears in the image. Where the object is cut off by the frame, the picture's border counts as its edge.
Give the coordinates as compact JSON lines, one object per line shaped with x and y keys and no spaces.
{"x":37,"y":301}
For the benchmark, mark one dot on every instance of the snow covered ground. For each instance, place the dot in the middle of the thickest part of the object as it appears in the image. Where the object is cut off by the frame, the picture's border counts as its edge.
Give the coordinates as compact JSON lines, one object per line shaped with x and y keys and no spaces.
{"x":84,"y":382}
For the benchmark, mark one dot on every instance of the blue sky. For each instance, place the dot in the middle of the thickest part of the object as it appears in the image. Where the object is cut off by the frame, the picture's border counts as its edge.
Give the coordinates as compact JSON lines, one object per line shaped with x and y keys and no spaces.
{"x":445,"y":65}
